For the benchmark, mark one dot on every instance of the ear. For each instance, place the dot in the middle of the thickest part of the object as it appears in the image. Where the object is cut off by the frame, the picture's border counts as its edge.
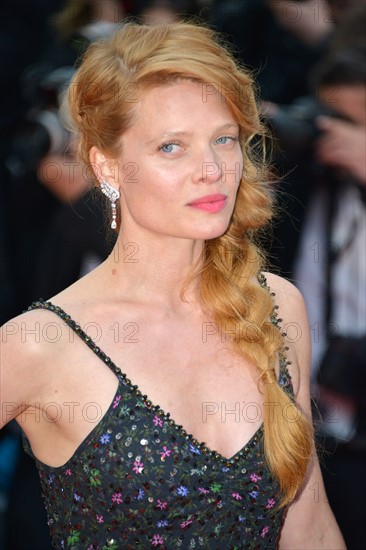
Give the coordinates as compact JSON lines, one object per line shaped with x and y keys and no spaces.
{"x":102,"y":166}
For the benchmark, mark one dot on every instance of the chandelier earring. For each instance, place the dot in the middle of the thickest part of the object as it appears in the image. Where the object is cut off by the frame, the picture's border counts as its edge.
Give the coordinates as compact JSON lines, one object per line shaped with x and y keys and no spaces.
{"x":113,"y":195}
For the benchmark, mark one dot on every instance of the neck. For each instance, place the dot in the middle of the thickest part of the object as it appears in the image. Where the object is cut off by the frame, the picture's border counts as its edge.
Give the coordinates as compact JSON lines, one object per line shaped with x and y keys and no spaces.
{"x":153,"y":272}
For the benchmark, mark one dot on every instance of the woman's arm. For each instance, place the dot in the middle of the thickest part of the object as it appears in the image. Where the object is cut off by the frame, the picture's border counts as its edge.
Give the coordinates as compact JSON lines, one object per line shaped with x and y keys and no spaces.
{"x":310,"y":522}
{"x":23,"y":375}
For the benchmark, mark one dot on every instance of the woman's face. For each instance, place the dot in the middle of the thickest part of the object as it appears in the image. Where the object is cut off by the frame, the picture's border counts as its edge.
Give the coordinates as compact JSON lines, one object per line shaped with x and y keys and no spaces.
{"x":181,"y":164}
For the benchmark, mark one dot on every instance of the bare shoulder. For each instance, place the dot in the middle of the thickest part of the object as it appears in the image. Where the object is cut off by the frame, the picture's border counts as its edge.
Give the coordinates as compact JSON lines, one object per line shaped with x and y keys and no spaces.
{"x":287,"y":294}
{"x":294,"y":322}
{"x":30,"y":333}
{"x":290,"y":303}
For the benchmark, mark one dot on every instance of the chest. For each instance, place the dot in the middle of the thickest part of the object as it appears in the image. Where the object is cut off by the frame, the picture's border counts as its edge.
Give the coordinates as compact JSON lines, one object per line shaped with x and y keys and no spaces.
{"x":186,"y":369}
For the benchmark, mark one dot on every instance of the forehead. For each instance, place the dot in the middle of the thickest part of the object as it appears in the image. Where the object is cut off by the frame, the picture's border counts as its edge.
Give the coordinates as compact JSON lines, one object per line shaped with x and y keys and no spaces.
{"x":183,"y":102}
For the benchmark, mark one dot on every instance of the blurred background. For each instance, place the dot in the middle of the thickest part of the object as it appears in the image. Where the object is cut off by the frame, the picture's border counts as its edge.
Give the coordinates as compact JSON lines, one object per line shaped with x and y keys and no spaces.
{"x":308,"y":58}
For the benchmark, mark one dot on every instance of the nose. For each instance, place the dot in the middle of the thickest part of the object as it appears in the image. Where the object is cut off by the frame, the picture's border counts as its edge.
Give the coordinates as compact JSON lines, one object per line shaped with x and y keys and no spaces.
{"x":208,"y":167}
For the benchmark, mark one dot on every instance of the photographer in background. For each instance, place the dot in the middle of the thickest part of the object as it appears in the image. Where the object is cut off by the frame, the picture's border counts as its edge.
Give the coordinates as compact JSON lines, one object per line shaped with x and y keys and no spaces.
{"x":331,"y":272}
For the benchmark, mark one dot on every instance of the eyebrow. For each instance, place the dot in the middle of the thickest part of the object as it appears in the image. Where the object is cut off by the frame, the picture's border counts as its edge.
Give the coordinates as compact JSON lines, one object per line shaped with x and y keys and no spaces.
{"x":169,"y":135}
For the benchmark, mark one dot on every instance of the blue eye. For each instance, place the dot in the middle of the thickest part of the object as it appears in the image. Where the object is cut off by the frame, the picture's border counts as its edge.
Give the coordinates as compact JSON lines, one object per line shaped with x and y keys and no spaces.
{"x":223,"y":140}
{"x":168,"y":147}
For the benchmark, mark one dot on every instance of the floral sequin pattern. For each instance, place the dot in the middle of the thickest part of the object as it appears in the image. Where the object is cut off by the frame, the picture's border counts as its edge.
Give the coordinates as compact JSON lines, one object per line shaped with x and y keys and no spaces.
{"x":140,"y":481}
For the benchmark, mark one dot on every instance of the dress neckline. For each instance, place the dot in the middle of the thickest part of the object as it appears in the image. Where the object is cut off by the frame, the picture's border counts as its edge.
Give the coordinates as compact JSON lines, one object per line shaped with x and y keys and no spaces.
{"x":135,"y":390}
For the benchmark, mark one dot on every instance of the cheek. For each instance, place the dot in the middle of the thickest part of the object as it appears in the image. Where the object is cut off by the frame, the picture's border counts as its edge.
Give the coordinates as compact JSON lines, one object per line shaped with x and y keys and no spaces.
{"x":145,"y":184}
{"x":130,"y":174}
{"x":233,"y":170}
{"x":164,"y":182}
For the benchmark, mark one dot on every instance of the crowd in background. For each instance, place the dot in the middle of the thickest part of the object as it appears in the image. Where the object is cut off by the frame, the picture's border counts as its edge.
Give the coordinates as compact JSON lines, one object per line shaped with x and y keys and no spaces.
{"x":309,"y":61}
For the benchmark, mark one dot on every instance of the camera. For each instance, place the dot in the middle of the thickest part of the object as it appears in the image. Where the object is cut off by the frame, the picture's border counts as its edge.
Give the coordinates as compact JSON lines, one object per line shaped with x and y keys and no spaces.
{"x":294,"y":127}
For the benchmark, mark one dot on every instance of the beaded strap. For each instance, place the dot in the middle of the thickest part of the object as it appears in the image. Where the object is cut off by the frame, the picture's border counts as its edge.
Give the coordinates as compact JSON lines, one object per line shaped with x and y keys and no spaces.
{"x":41,"y":304}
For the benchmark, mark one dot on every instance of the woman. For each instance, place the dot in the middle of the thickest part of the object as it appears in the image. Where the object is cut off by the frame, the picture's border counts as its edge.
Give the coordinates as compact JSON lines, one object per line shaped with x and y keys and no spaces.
{"x":185,"y":319}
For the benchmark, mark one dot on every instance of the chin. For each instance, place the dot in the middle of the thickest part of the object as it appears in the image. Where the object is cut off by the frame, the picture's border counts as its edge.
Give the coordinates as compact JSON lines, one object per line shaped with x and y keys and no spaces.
{"x":207,"y":233}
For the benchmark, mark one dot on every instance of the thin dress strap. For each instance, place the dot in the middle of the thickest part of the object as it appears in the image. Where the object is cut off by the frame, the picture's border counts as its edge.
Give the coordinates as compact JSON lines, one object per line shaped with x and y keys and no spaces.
{"x":41,"y":304}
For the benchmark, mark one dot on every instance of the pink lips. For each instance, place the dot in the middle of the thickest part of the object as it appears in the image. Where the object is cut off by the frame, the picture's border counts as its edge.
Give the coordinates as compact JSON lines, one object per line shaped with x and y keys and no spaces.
{"x":210,"y":203}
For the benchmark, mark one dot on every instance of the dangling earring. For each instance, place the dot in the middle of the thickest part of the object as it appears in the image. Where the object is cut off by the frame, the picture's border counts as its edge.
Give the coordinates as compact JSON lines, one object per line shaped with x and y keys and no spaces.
{"x":113,"y":195}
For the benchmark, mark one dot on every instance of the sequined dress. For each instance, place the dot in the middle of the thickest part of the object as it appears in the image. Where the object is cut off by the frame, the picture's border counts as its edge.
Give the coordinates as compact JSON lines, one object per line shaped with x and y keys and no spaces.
{"x":139,"y":480}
